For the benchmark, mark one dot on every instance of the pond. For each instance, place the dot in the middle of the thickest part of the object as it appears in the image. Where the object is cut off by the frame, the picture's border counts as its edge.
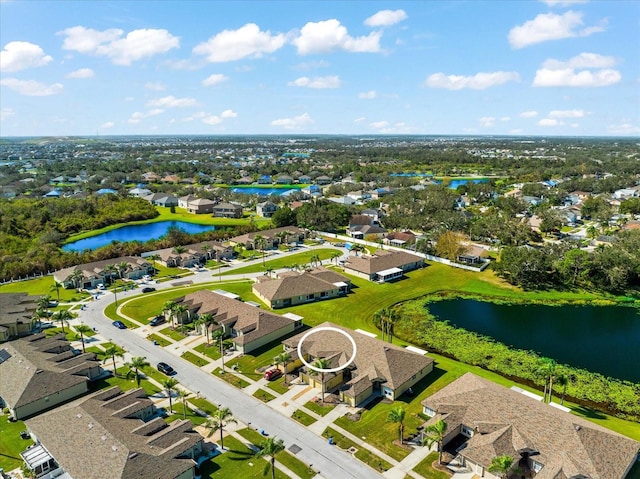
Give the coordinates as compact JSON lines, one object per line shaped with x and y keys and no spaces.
{"x":256,"y":190}
{"x":604,"y":339}
{"x":143,"y":232}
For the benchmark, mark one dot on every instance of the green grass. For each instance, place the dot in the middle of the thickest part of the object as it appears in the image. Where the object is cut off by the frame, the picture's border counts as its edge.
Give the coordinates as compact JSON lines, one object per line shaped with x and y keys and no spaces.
{"x":263,"y":395}
{"x":318,"y":408}
{"x":426,"y":470}
{"x":125,"y":383}
{"x":195,"y":359}
{"x":11,"y":444}
{"x":238,"y":461}
{"x":162,"y":342}
{"x":42,"y":286}
{"x":179,"y":410}
{"x":278,"y":386}
{"x":110,"y":312}
{"x":365,"y":456}
{"x":231,"y":378}
{"x":174,"y":334}
{"x":209,"y":350}
{"x":202,"y":404}
{"x":284,"y":262}
{"x":151,"y":372}
{"x":303,"y":418}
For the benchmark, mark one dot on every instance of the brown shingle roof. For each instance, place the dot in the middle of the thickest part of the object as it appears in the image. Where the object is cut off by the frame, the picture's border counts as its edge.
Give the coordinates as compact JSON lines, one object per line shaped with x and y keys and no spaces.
{"x":95,"y":268}
{"x":17,"y":307}
{"x":301,"y":284}
{"x":381,"y":260}
{"x":507,"y":422}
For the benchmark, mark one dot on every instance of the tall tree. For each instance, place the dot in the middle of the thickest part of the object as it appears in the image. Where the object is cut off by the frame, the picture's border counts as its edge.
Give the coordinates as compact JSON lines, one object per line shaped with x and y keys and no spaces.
{"x":284,"y":359}
{"x":169,"y":307}
{"x":260,"y":242}
{"x":270,"y":447}
{"x":112,"y":351}
{"x":169,"y":385}
{"x":183,"y":394}
{"x":397,"y":415}
{"x":56,"y":287}
{"x":62,"y":316}
{"x":218,"y":336}
{"x":82,"y":330}
{"x":435,"y":434}
{"x":501,"y":465}
{"x":123,"y":267}
{"x":136,"y":364}
{"x":322,"y":364}
{"x":77,"y":276}
{"x":207,"y":320}
{"x":218,"y":421}
{"x":180,"y":311}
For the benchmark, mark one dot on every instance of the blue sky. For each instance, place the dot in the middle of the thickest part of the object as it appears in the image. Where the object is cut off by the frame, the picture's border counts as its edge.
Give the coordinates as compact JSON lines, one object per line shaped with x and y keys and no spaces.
{"x":548,"y":67}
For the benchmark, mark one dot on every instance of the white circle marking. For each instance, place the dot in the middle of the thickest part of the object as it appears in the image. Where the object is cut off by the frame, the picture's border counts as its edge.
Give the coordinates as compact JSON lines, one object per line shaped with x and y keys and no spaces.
{"x":322,"y":370}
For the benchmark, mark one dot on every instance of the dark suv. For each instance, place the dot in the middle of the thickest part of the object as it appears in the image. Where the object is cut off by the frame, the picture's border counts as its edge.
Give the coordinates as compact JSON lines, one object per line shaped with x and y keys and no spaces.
{"x":157,"y":320}
{"x":166,"y":369}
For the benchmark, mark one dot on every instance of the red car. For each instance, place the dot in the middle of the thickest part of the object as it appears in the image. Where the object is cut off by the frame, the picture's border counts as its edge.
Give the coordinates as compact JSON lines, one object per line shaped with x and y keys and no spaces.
{"x":272,"y":374}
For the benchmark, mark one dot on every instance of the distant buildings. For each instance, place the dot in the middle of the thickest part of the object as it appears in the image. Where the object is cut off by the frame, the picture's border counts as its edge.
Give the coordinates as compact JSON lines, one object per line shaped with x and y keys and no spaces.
{"x":383,"y":265}
{"x":16,"y":314}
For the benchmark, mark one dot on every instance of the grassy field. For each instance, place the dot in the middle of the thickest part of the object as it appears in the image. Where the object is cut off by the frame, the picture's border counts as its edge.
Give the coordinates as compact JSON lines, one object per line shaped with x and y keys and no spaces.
{"x":160,"y":341}
{"x":284,"y":262}
{"x":209,"y":350}
{"x":43,"y":286}
{"x":318,"y":408}
{"x":426,"y":470}
{"x":195,"y":359}
{"x":231,"y":378}
{"x":278,"y":386}
{"x":263,"y":395}
{"x":11,"y":444}
{"x":303,"y":418}
{"x":365,"y":456}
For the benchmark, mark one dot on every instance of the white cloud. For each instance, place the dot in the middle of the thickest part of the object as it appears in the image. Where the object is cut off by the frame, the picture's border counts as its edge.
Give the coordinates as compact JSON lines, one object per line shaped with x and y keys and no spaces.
{"x":487,"y":121}
{"x":384,"y":18}
{"x":312,"y":65}
{"x":583,"y":60}
{"x":214,"y":79}
{"x":505,"y":118}
{"x":562,"y":3}
{"x":550,"y":122}
{"x":295,"y":123}
{"x":246,"y":42}
{"x":359,"y":120}
{"x":155,"y":86}
{"x":567,"y":114}
{"x":328,"y":35}
{"x":107,"y":125}
{"x":212,"y":120}
{"x":228,"y":114}
{"x":172,"y":102}
{"x":570,"y":78}
{"x":317,"y":82}
{"x":32,"y":87}
{"x":549,"y":26}
{"x":18,"y":56}
{"x":625,"y":128}
{"x":529,"y":114}
{"x":81,"y":73}
{"x":379,"y":124}
{"x":367,"y":95}
{"x":479,"y":81}
{"x":137,"y":44}
{"x":6,"y":113}
{"x":137,"y":116}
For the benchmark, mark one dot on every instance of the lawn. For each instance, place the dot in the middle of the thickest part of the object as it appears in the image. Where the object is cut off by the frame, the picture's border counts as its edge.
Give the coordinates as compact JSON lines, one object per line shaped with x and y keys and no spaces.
{"x":318,"y":408}
{"x":202,"y":404}
{"x":238,"y":461}
{"x":364,"y":455}
{"x":426,"y":470}
{"x":263,"y":395}
{"x":303,"y":418}
{"x":209,"y":350}
{"x":174,"y":334}
{"x":11,"y":444}
{"x":43,"y":286}
{"x":231,"y":378}
{"x":125,"y":383}
{"x":195,"y":359}
{"x":278,"y":386}
{"x":284,"y":262}
{"x":162,"y":342}
{"x":179,"y":413}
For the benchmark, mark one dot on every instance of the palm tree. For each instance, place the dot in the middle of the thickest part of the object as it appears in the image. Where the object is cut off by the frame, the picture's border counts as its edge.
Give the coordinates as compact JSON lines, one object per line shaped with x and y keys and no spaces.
{"x":563,"y":380}
{"x":183,"y":394}
{"x":83,"y":329}
{"x":154,"y":258}
{"x":111,"y":269}
{"x":501,"y":465}
{"x":335,"y":255}
{"x":260,"y":241}
{"x":270,"y":447}
{"x":76,"y":277}
{"x":169,"y":307}
{"x":112,"y":351}
{"x":123,"y":266}
{"x":284,"y":359}
{"x":198,"y":323}
{"x":169,"y":385}
{"x":206,"y":248}
{"x":137,"y":363}
{"x":315,"y":258}
{"x":547,"y":369}
{"x":63,"y":316}
{"x":268,"y":270}
{"x":435,"y":434}
{"x":179,"y":249}
{"x":218,"y":420}
{"x":219,"y":336}
{"x":43,"y":302}
{"x":320,"y":363}
{"x":38,"y":314}
{"x":397,"y":415}
{"x":56,"y":287}
{"x":179,"y":311}
{"x":207,"y":319}
{"x":391,"y":318}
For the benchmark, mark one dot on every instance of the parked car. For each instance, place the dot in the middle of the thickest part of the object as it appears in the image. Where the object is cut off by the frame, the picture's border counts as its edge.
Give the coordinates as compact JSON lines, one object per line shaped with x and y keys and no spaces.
{"x":157,"y":320}
{"x":166,"y":369}
{"x":272,"y":374}
{"x":119,"y":325}
{"x":148,"y":289}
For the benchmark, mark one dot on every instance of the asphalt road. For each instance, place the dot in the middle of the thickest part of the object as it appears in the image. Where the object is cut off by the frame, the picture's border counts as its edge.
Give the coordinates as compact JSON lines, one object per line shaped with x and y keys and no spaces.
{"x":330,"y":461}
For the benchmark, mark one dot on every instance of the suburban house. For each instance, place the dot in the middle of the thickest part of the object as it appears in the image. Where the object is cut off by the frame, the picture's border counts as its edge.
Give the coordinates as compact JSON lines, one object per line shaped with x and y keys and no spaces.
{"x":16,"y":314}
{"x":379,"y":368}
{"x":291,"y":288}
{"x":139,"y":192}
{"x":112,"y":434}
{"x":266,"y":209}
{"x":93,"y":274}
{"x":39,"y":373}
{"x":383,"y":265}
{"x":546,"y":442}
{"x":400,"y":239}
{"x":183,"y":201}
{"x":227,"y":210}
{"x":272,"y":238}
{"x":364,"y":225}
{"x":200,"y":206}
{"x":249,"y":326}
{"x":161,"y":199}
{"x":197,"y":253}
{"x":284,"y":180}
{"x":304,"y":179}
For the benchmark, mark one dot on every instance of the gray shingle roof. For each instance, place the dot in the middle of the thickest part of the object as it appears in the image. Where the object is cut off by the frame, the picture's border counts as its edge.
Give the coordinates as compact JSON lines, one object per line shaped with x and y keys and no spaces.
{"x":381,"y":260}
{"x":17,"y":307}
{"x":299,"y":284}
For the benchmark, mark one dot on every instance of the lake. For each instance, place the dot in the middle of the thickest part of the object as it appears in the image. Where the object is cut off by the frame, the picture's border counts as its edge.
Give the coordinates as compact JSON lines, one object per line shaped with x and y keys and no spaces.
{"x":143,"y":232}
{"x":604,"y":339}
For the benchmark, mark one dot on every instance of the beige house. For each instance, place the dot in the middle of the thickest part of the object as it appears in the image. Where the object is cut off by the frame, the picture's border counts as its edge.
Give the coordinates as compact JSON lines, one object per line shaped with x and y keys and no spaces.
{"x":291,"y":288}
{"x":545,"y":442}
{"x":248,"y":326}
{"x":113,"y":434}
{"x":272,"y":238}
{"x":95,"y":273}
{"x":196,"y":253}
{"x":200,"y":206}
{"x":378,"y":367}
{"x":227,"y":210}
{"x":16,"y":314}
{"x":383,"y":265}
{"x":39,"y":373}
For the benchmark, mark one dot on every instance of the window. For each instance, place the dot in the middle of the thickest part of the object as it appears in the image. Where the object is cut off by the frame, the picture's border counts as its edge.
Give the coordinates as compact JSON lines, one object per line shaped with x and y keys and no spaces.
{"x":536,"y":466}
{"x":428,"y":411}
{"x":310,"y":296}
{"x":324,"y":294}
{"x":467,"y":431}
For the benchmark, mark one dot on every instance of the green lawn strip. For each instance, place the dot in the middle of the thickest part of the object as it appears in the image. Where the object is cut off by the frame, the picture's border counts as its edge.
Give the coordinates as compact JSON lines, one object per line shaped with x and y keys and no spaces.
{"x":209,"y":350}
{"x":318,"y":408}
{"x":426,"y":470}
{"x":97,"y":350}
{"x":11,"y":444}
{"x":179,"y":410}
{"x":41,"y":287}
{"x":303,"y":418}
{"x":161,"y":341}
{"x":151,"y":372}
{"x":195,"y":359}
{"x":125,"y":383}
{"x":110,"y":312}
{"x":365,"y":456}
{"x":202,"y":404}
{"x":263,"y":395}
{"x":231,"y":378}
{"x":174,"y":334}
{"x":238,"y":461}
{"x":278,"y":386}
{"x":284,"y":457}
{"x":283,"y":262}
